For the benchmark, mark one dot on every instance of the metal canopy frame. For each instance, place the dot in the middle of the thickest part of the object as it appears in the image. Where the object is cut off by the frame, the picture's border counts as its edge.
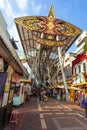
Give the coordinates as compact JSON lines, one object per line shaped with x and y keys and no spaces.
{"x":38,"y":39}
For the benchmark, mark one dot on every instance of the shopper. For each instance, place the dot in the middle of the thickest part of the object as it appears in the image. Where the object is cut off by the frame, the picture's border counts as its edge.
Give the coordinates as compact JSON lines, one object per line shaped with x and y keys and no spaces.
{"x":28,"y":91}
{"x":42,"y":94}
{"x":86,"y":105}
{"x":82,"y":100}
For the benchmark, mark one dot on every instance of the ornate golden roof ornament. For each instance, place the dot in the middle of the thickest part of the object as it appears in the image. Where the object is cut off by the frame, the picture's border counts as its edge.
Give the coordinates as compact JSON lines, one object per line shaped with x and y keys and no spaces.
{"x":51,"y":12}
{"x":50,"y":27}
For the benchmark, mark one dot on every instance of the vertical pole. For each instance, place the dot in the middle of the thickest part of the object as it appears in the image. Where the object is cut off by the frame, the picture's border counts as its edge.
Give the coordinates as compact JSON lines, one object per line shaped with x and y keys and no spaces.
{"x":63,"y":74}
{"x":61,"y":65}
{"x":48,"y":71}
{"x":35,"y":64}
{"x":30,"y":74}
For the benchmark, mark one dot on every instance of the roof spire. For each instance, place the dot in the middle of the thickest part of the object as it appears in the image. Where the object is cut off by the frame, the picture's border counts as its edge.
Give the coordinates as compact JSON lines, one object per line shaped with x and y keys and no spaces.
{"x":51,"y":12}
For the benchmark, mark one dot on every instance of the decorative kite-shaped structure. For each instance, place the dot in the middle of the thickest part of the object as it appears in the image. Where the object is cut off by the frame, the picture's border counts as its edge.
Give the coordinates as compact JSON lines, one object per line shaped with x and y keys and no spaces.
{"x":49,"y":27}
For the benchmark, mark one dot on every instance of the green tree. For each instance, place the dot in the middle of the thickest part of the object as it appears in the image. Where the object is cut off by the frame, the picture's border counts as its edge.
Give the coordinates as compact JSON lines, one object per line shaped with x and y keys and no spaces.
{"x":85,"y":46}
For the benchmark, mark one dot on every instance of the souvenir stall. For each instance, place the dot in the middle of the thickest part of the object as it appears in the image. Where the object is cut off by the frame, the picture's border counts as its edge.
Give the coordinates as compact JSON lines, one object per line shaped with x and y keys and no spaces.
{"x":9,"y":81}
{"x":17,"y":88}
{"x":75,"y":94}
{"x":27,"y":88}
{"x":21,"y":91}
{"x":18,"y":97}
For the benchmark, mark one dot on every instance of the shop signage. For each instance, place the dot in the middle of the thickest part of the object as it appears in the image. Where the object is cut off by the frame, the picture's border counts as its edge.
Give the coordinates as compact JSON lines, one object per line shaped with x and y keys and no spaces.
{"x":2,"y":82}
{"x":7,"y":85}
{"x":81,"y":37}
{"x":16,"y":77}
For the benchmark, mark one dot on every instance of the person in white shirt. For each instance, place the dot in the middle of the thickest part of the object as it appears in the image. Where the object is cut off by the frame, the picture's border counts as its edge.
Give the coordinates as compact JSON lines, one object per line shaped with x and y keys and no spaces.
{"x":28,"y":88}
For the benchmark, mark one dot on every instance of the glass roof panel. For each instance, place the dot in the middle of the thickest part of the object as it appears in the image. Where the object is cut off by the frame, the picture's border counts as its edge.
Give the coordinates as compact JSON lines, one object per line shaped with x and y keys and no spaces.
{"x":53,"y":56}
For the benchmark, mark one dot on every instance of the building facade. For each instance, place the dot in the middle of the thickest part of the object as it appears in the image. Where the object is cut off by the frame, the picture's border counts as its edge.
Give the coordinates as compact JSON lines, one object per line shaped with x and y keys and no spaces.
{"x":79,"y":65}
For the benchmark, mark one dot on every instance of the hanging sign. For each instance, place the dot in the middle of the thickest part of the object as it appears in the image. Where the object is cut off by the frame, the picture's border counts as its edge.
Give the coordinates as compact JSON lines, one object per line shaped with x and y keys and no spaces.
{"x":8,"y":80}
{"x":1,"y":65}
{"x":7,"y":85}
{"x":2,"y":82}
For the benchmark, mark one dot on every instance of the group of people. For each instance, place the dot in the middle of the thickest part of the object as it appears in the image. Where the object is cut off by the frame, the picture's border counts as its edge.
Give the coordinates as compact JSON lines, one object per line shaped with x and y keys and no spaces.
{"x":42,"y":95}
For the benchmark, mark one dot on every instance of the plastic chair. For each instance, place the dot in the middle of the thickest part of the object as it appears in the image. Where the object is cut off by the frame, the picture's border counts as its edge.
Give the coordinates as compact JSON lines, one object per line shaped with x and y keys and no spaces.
{"x":14,"y":118}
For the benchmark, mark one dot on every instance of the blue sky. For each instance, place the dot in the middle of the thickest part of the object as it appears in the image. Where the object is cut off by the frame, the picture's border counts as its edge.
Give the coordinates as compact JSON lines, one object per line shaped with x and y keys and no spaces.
{"x":72,"y":11}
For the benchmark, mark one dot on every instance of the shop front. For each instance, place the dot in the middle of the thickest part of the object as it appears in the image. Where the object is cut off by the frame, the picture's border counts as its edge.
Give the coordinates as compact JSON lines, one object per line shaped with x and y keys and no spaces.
{"x":6,"y":93}
{"x":8,"y":66}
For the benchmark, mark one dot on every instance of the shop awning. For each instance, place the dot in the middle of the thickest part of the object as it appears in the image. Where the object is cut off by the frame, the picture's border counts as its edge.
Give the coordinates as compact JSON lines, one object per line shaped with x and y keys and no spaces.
{"x":79,"y":84}
{"x":52,"y":87}
{"x":75,"y":88}
{"x":25,"y":81}
{"x":61,"y":86}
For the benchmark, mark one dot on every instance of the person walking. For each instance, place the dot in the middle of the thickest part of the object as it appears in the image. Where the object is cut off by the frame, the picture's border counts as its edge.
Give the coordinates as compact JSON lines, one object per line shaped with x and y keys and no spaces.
{"x":82,"y":100}
{"x":42,"y":94}
{"x":86,"y":105}
{"x":28,"y":91}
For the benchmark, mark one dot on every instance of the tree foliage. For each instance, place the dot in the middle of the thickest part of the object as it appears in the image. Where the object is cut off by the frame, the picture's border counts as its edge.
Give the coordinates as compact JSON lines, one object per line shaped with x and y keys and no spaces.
{"x":85,"y":46}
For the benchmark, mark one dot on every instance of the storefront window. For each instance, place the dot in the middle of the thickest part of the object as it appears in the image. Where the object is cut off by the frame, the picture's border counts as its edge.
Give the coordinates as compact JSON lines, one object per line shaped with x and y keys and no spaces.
{"x":79,"y":69}
{"x":75,"y":70}
{"x":84,"y":67}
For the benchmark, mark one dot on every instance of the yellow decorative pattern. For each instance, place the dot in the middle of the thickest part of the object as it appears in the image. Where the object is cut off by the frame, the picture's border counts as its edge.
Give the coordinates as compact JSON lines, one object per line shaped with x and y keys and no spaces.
{"x":49,"y":26}
{"x":49,"y":42}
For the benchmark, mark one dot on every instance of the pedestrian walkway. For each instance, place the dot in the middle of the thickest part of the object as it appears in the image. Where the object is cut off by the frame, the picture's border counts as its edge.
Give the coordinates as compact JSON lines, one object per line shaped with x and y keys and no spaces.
{"x":51,"y":115}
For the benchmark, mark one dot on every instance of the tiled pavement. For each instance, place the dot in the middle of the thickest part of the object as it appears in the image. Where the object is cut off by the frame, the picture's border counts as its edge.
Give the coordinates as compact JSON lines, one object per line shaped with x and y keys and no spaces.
{"x":51,"y":115}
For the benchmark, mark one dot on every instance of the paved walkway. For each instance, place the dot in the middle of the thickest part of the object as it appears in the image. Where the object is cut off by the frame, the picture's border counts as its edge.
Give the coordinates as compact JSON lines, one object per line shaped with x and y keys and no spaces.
{"x":51,"y":115}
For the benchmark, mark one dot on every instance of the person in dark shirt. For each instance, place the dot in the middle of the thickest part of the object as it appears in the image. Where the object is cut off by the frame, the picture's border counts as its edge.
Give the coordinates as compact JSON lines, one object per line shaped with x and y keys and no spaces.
{"x":82,"y":100}
{"x":86,"y":105}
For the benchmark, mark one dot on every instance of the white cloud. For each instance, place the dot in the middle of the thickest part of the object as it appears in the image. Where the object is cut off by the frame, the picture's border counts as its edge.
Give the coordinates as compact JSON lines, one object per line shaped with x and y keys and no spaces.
{"x":1,"y":4}
{"x":20,"y":14}
{"x":6,"y":7}
{"x":9,"y":11}
{"x":22,"y":4}
{"x":9,"y":15}
{"x":36,"y":8}
{"x":13,"y":33}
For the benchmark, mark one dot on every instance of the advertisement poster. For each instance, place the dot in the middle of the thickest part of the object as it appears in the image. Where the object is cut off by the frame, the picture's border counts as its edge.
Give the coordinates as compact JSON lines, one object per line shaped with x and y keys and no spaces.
{"x":16,"y":77}
{"x":8,"y":80}
{"x":7,"y":85}
{"x":5,"y":97}
{"x":11,"y":95}
{"x":2,"y":82}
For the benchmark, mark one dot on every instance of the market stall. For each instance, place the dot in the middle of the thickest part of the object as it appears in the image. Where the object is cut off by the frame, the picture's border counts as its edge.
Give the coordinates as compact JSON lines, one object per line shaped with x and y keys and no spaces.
{"x":18,"y":97}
